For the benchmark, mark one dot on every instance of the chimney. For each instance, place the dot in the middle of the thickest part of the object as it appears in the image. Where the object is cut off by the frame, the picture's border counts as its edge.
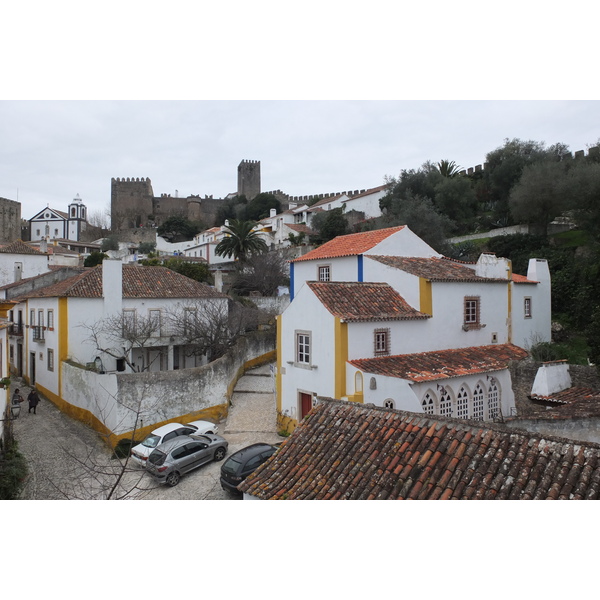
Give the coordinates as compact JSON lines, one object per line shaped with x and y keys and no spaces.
{"x":43,"y":245}
{"x":112,"y":286}
{"x":272,"y":212}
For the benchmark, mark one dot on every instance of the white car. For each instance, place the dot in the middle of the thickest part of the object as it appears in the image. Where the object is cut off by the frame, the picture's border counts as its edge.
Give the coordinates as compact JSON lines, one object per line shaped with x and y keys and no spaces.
{"x":167,"y":432}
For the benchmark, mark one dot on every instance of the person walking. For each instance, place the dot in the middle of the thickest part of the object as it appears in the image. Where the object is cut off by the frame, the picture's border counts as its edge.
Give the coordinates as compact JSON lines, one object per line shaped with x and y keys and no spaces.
{"x":16,"y":403}
{"x":34,"y":400}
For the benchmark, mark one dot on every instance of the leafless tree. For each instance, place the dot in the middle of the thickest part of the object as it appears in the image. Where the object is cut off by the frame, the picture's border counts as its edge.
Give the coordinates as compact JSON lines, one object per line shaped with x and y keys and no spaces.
{"x":262,"y":273}
{"x":210,"y":327}
{"x":117,"y":335}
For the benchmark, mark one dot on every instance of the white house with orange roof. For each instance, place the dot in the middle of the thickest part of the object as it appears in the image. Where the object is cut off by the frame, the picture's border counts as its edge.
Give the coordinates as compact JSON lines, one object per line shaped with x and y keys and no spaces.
{"x":380,"y":317}
{"x":77,"y":334}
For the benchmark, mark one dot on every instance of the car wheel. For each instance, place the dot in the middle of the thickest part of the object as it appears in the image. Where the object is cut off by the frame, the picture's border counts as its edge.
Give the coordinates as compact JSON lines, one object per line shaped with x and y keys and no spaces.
{"x":173,"y":478}
{"x":219,"y":453}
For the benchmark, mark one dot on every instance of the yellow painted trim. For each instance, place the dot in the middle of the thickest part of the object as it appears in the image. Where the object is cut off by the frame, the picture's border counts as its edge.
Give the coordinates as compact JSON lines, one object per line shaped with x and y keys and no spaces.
{"x":358,"y":397}
{"x":510,"y":289}
{"x":425,"y":296}
{"x":340,"y":357}
{"x":63,"y":338}
{"x":278,"y":375}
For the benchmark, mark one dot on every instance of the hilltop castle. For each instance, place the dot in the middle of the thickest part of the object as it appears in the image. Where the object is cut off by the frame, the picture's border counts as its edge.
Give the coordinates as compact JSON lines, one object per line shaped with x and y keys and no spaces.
{"x":133,"y":203}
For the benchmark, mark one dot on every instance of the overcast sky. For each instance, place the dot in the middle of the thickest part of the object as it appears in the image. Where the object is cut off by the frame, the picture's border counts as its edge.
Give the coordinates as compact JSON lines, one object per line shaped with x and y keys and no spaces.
{"x":53,"y":150}
{"x":328,"y":98}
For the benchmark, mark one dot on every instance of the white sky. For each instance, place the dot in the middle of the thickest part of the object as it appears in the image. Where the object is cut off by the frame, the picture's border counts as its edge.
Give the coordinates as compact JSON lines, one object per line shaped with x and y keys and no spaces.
{"x":328,"y":101}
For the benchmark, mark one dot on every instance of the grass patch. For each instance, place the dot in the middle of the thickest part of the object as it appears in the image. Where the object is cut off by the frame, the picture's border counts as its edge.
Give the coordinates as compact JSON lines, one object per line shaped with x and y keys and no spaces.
{"x":13,"y":470}
{"x":571,"y":239}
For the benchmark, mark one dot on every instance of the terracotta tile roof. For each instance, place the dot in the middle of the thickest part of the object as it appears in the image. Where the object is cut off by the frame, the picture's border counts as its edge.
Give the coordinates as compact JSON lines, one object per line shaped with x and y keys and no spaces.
{"x":434,"y":269}
{"x":352,"y":244}
{"x":354,"y":302}
{"x":138,"y":282}
{"x":369,"y":191}
{"x":344,"y":450}
{"x":20,"y":247}
{"x":522,"y":279}
{"x":442,"y":364}
{"x":574,"y":402}
{"x":324,"y":201}
{"x":300,"y":228}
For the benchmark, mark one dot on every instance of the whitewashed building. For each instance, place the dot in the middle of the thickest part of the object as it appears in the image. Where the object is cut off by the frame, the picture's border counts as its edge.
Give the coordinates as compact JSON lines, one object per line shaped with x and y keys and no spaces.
{"x":20,"y":261}
{"x":380,"y":317}
{"x":50,"y":223}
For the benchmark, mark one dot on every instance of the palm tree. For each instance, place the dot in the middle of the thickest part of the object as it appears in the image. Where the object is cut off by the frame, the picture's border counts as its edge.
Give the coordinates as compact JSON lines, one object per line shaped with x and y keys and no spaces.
{"x":448,"y":168}
{"x":241,"y":241}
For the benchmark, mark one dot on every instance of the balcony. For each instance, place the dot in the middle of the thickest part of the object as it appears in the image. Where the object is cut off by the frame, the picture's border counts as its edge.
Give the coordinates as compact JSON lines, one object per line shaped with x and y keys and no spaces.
{"x":16,"y":329}
{"x":38,"y":333}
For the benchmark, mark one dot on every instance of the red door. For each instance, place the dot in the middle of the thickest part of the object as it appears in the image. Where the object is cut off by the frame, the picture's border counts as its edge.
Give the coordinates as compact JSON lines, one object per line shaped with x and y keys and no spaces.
{"x":305,"y":404}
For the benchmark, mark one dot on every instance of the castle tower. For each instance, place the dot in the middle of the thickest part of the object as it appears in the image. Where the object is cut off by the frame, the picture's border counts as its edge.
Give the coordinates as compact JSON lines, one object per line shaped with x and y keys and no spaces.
{"x":77,"y":219}
{"x":130,"y":202}
{"x":249,"y":179}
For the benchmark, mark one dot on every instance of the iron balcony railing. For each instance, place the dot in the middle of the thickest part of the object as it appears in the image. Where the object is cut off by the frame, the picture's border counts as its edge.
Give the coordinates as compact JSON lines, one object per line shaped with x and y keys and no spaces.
{"x":16,"y":329}
{"x":38,"y":333}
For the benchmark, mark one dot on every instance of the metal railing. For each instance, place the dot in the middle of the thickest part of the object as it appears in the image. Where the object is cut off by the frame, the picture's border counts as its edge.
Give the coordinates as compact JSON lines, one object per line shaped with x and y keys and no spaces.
{"x":38,"y":333}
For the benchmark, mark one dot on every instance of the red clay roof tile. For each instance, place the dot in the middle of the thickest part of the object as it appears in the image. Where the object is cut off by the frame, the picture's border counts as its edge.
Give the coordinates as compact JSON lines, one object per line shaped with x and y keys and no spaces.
{"x":350,"y":245}
{"x":424,"y":458}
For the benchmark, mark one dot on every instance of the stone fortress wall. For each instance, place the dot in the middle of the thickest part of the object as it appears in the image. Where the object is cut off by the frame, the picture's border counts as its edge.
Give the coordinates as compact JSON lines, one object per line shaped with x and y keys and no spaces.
{"x":134,"y":205}
{"x":10,"y":221}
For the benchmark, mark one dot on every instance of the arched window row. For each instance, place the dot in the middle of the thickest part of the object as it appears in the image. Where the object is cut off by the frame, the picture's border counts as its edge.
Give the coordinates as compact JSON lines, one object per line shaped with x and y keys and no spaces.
{"x":482,"y":404}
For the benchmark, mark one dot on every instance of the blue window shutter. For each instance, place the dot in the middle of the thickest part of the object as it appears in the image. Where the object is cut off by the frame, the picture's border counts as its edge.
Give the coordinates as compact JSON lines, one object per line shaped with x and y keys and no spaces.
{"x":360,"y":267}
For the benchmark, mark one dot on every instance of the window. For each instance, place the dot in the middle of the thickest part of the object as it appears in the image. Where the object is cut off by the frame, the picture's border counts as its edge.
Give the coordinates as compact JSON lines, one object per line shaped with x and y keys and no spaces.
{"x":445,"y":403}
{"x":303,"y":348}
{"x":32,"y":318}
{"x":41,"y":318}
{"x":155,"y":322}
{"x":478,"y":403}
{"x":325,"y":273}
{"x":471,"y":311}
{"x":189,"y":320}
{"x":50,"y":319}
{"x":382,"y":342}
{"x":527,"y":307}
{"x":358,"y":382}
{"x":50,"y":357}
{"x":462,"y":404}
{"x":128,"y":322}
{"x":428,"y":404}
{"x":37,"y":232}
{"x":493,"y":400}
{"x":388,"y":403}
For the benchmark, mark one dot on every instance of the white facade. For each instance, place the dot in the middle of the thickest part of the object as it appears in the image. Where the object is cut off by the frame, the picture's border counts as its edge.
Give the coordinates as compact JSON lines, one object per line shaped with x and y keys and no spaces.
{"x":469,"y":306}
{"x":22,"y":263}
{"x":367,"y":202}
{"x":50,"y":223}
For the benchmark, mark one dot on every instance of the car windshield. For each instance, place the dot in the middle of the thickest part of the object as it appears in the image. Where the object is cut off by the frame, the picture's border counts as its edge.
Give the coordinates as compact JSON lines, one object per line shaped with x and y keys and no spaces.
{"x":231,"y":466}
{"x":202,"y":438}
{"x":157,"y":458}
{"x":151,"y":441}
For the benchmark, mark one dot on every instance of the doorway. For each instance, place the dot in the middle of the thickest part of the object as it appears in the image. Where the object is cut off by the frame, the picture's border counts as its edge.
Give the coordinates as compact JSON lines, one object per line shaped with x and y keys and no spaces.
{"x":305,"y":404}
{"x":32,"y":369}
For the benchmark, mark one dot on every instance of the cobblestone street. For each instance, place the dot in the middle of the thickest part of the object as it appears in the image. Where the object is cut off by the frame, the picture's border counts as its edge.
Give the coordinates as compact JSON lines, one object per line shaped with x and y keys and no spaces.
{"x":68,"y":460}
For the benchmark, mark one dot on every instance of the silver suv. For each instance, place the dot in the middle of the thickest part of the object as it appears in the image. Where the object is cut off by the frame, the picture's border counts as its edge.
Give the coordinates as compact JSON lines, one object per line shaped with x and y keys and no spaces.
{"x":183,"y":454}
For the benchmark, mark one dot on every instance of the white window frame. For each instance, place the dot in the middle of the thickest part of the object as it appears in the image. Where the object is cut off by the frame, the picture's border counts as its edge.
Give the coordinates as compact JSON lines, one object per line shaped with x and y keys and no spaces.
{"x":324,"y":273}
{"x":50,"y":318}
{"x":50,"y":359}
{"x":303,"y":341}
{"x":129,"y":313}
{"x":527,"y":306}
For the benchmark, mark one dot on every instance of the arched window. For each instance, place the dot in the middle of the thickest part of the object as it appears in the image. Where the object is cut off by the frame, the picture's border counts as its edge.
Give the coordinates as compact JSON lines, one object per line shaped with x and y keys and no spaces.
{"x":388,"y":403}
{"x":358,"y":382}
{"x":462,"y":403}
{"x":478,"y":396}
{"x":428,"y":404}
{"x":493,"y":400}
{"x":445,"y":403}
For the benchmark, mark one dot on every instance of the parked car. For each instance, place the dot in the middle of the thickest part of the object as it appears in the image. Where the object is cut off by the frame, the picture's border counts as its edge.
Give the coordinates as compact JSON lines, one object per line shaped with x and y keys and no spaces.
{"x":243,"y":462}
{"x":183,"y":454}
{"x":141,"y":452}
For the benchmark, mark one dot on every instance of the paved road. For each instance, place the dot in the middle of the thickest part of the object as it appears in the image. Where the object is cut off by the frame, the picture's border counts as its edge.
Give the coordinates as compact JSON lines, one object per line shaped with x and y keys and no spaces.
{"x":68,"y":460}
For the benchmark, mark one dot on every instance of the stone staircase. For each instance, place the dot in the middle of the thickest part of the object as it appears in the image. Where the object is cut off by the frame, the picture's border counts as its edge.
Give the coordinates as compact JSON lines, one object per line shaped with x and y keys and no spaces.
{"x":253,"y":407}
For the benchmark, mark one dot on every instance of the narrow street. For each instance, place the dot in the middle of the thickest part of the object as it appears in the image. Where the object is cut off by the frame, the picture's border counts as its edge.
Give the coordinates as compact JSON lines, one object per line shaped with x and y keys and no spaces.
{"x":68,"y":460}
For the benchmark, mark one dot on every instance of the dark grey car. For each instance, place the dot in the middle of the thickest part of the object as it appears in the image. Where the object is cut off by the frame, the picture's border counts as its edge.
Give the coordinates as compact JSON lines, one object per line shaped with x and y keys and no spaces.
{"x":183,"y":454}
